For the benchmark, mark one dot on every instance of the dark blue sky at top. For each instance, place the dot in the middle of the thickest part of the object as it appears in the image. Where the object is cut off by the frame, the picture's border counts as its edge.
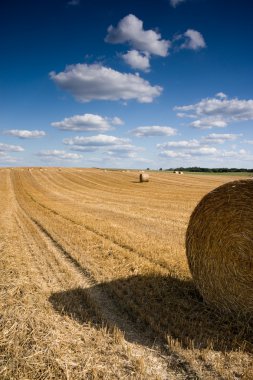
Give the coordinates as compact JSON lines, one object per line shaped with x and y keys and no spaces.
{"x":38,"y":36}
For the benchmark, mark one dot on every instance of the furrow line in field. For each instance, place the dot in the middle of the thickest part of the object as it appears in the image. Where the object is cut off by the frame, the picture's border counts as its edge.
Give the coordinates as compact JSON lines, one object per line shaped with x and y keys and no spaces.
{"x":41,"y":261}
{"x":162,"y":267}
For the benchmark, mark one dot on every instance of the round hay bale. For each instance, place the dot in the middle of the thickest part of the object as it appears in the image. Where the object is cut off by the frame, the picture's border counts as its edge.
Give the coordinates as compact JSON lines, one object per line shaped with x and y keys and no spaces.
{"x":144,"y":177}
{"x":219,"y":247}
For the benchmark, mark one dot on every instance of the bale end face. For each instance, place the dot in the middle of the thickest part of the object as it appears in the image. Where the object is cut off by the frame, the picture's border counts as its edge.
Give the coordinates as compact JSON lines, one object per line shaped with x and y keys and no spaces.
{"x":219,"y":247}
{"x":144,"y":177}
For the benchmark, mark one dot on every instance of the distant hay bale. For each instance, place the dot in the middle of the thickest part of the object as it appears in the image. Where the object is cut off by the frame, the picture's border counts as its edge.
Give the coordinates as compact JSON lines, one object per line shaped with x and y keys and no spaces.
{"x":181,"y":173}
{"x":144,"y":177}
{"x":219,"y":247}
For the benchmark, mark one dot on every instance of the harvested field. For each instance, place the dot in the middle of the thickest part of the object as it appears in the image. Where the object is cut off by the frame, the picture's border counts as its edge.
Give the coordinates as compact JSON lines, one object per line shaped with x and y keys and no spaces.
{"x":95,"y":282}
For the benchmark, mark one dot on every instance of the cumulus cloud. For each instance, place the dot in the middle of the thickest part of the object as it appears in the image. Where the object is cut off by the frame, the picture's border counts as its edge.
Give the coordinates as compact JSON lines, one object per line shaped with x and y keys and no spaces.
{"x":25,"y":134}
{"x":173,"y":154}
{"x":241,"y":154}
{"x":199,"y":150}
{"x":208,"y":123}
{"x":183,"y":144}
{"x":154,"y":130}
{"x":193,"y":40}
{"x":186,"y":149}
{"x":96,"y":141}
{"x":130,"y":30}
{"x":137,"y":60}
{"x":175,"y":3}
{"x":187,"y":153}
{"x":87,"y":122}
{"x":110,"y":146}
{"x":194,"y":148}
{"x":221,"y":95}
{"x":123,"y":151}
{"x":10,"y":148}
{"x":220,"y":138}
{"x":87,"y":82}
{"x":217,"y":111}
{"x":59,"y":155}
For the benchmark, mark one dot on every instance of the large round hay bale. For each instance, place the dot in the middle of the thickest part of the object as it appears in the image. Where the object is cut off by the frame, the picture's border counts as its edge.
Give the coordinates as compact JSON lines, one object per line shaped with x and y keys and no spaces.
{"x":144,"y":177}
{"x":219,"y":247}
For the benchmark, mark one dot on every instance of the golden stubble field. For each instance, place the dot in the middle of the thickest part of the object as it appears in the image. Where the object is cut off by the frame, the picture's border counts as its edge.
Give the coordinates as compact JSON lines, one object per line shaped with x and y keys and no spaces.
{"x":95,"y":282}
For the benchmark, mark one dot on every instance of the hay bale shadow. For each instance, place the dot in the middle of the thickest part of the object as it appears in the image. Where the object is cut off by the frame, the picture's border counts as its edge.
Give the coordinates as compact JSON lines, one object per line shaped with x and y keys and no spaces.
{"x":76,"y":304}
{"x":164,"y":305}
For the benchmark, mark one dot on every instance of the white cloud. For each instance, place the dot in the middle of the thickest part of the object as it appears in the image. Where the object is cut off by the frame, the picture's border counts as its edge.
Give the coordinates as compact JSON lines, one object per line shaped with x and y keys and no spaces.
{"x":220,"y":138}
{"x":10,"y":148}
{"x":193,"y":148}
{"x":199,"y":152}
{"x":117,"y":121}
{"x":143,"y":160}
{"x":188,"y":153}
{"x":221,"y":95}
{"x":154,"y":130}
{"x":195,"y":151}
{"x":137,"y":60}
{"x":59,"y":155}
{"x":217,"y":112}
{"x":205,"y":150}
{"x":183,"y":144}
{"x":208,"y":123}
{"x":87,"y":82}
{"x":110,"y":146}
{"x":25,"y":134}
{"x":173,"y":154}
{"x":130,"y":29}
{"x":123,"y":151}
{"x":175,"y":3}
{"x":186,"y":148}
{"x":241,"y":154}
{"x":96,"y":141}
{"x":193,"y":40}
{"x":87,"y":122}
{"x":6,"y":159}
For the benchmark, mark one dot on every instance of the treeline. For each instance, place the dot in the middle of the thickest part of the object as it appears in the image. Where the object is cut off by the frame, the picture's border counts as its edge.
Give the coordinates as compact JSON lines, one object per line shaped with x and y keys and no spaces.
{"x":212,"y":170}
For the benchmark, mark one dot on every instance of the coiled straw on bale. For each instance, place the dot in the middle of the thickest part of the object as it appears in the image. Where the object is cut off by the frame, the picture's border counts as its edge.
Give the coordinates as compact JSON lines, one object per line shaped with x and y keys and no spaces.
{"x":219,"y":247}
{"x":144,"y":177}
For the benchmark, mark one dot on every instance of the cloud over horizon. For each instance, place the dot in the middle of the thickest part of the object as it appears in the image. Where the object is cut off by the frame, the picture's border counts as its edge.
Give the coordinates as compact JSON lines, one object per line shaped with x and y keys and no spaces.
{"x":154,"y":130}
{"x":10,"y":148}
{"x":196,"y":149}
{"x":110,"y":146}
{"x":217,"y":112}
{"x":87,"y":122}
{"x":25,"y":134}
{"x":56,"y":154}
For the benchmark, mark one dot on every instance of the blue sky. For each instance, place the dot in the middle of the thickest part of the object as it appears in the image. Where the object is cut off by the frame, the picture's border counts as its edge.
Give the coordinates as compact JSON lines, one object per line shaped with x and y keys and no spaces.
{"x":126,"y":83}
